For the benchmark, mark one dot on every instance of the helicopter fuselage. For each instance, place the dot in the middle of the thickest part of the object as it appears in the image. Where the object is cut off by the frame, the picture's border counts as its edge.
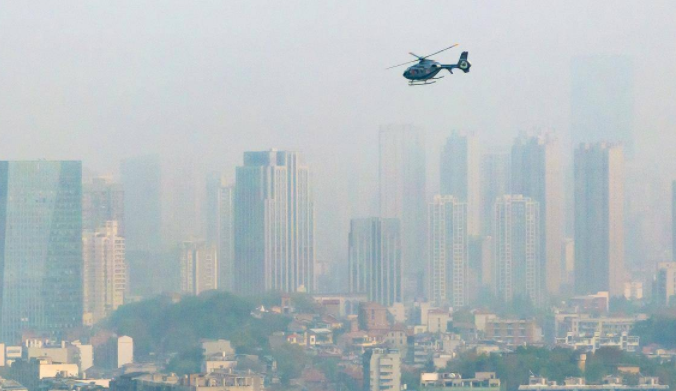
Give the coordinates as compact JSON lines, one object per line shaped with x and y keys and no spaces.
{"x":423,"y":70}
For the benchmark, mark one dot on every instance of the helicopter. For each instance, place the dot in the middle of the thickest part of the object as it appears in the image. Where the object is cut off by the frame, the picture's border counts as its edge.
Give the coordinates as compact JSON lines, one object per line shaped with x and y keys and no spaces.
{"x":425,"y":70}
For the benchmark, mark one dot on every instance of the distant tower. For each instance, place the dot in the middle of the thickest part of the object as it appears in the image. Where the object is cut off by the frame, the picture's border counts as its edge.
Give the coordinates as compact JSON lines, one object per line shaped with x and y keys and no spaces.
{"x":495,"y":177}
{"x":599,"y":232}
{"x":104,"y":271}
{"x":142,"y":182}
{"x":448,"y":251}
{"x":41,"y":251}
{"x":459,"y":175}
{"x":602,"y":100}
{"x":673,"y":221}
{"x":102,"y":201}
{"x":220,"y":228}
{"x":374,"y":259}
{"x":402,"y":191}
{"x":536,"y":173}
{"x":199,"y":267}
{"x":273,"y":224}
{"x":517,"y":254}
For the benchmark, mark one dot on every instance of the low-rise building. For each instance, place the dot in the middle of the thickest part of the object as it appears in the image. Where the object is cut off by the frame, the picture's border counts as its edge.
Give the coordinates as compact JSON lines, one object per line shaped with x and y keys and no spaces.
{"x":591,"y":343}
{"x":30,"y":372}
{"x":437,"y":321}
{"x":610,"y":383}
{"x":513,"y":332}
{"x":482,"y":381}
{"x":11,"y":385}
{"x":226,"y":380}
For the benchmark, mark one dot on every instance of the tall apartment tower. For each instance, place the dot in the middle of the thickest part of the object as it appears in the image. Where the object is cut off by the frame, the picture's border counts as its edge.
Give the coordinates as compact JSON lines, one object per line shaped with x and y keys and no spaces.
{"x":199,"y":267}
{"x":104,"y":274}
{"x":220,"y":228}
{"x":374,"y":259}
{"x":102,"y":201}
{"x":273,"y":224}
{"x":402,"y":191}
{"x":495,"y":179}
{"x":448,"y":251}
{"x":599,"y":219}
{"x":142,"y":182}
{"x":673,"y":221}
{"x":536,"y":174}
{"x":665,"y":284}
{"x":382,"y":370}
{"x":517,"y":252}
{"x":41,"y":251}
{"x":459,"y":175}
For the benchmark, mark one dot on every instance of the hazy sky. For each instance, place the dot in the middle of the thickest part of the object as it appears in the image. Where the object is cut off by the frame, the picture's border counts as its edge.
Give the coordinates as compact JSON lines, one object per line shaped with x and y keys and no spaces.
{"x":104,"y":80}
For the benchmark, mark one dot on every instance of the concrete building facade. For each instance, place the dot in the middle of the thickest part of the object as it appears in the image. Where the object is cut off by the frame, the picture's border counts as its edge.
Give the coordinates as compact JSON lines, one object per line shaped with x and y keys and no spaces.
{"x":448,"y":251}
{"x":375,"y":259}
{"x":536,"y":173}
{"x":199,"y":267}
{"x":599,"y":219}
{"x":274,"y":228}
{"x":104,"y":273}
{"x":517,"y":271}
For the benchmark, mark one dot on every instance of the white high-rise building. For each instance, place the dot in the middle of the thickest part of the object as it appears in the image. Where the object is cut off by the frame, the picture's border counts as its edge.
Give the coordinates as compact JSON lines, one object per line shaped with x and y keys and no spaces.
{"x":199,"y":267}
{"x":536,"y":174}
{"x":459,"y":175}
{"x":374,"y":259}
{"x":599,"y":219}
{"x":517,"y":255}
{"x":273,"y":224}
{"x":104,"y":273}
{"x":448,"y":251}
{"x":382,"y":370}
{"x":402,"y":191}
{"x":220,"y":229}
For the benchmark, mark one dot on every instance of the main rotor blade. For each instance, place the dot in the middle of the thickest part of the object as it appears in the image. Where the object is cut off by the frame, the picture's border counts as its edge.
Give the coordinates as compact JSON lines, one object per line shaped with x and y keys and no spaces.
{"x":394,"y":66}
{"x":440,"y":51}
{"x":416,"y":56}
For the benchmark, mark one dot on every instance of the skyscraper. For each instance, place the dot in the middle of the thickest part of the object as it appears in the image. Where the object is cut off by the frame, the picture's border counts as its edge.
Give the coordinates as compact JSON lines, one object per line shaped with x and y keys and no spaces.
{"x":104,"y":276}
{"x":459,"y":175}
{"x":495,"y":178}
{"x":402,"y":191}
{"x":602,"y":100}
{"x":599,"y":231}
{"x":374,"y":259}
{"x":102,"y":201}
{"x":142,"y":182}
{"x":199,"y":267}
{"x":673,"y":221}
{"x":40,"y":248}
{"x":220,"y":229}
{"x":517,"y":253}
{"x":448,"y":251}
{"x":664,"y":285}
{"x":273,"y":224}
{"x":536,"y":174}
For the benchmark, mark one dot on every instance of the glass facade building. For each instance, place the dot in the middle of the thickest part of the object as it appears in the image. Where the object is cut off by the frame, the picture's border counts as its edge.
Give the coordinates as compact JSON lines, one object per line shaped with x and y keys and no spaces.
{"x":40,"y":248}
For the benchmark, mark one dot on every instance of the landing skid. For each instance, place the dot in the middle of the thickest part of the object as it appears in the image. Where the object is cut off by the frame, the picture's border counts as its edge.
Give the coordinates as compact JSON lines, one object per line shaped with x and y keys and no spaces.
{"x":425,"y":82}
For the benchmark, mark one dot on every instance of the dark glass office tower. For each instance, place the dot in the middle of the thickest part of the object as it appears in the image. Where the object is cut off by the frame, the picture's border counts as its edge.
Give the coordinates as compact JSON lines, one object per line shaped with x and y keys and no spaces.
{"x":40,"y":248}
